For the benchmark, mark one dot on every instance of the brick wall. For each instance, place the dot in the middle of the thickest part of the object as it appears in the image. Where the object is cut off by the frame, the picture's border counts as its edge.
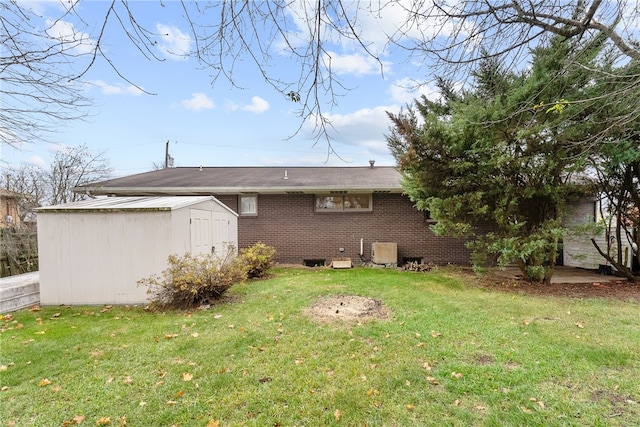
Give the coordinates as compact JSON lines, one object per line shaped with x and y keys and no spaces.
{"x":290,"y":224}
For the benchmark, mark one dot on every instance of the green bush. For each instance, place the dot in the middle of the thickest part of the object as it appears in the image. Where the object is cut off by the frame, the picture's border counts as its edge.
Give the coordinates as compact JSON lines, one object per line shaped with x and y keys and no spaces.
{"x":193,"y":280}
{"x":258,"y":259}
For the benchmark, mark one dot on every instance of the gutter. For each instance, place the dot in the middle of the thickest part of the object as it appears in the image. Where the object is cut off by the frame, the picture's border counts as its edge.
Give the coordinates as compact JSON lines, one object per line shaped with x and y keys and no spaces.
{"x":191,"y":191}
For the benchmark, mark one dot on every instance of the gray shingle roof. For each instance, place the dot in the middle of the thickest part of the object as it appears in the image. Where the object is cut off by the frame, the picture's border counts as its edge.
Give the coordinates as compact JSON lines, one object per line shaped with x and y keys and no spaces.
{"x":234,"y":180}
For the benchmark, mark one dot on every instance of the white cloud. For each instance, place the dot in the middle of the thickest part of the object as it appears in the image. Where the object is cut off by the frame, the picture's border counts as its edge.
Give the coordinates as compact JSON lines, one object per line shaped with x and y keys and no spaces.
{"x":108,"y":89}
{"x":174,"y":43}
{"x":258,"y":105}
{"x":39,"y":7}
{"x":54,"y":147}
{"x":355,"y":64}
{"x":198,"y":101}
{"x":35,"y":160}
{"x":364,"y":128}
{"x":65,"y":32}
{"x":374,"y":22}
{"x":405,"y":90}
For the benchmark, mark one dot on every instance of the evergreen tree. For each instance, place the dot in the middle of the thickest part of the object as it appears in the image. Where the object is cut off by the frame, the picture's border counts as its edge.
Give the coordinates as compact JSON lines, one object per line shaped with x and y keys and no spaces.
{"x":503,"y":154}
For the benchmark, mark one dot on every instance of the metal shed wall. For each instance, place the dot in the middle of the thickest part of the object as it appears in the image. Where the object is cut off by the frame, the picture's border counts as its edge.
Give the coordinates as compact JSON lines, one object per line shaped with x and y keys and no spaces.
{"x":96,"y":253}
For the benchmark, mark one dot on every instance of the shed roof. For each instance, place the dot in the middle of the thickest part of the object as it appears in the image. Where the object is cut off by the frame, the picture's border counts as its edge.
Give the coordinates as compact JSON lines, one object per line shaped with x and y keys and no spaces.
{"x":238,"y":180}
{"x":131,"y":204}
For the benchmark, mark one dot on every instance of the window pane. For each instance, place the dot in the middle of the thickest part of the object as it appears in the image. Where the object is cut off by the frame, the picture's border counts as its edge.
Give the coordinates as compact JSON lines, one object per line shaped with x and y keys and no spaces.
{"x":362,"y":201}
{"x":332,"y":203}
{"x":248,"y":205}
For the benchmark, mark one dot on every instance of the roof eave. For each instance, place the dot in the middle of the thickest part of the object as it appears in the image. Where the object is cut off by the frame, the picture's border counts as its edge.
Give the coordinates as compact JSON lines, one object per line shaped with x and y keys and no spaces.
{"x":140,"y":191}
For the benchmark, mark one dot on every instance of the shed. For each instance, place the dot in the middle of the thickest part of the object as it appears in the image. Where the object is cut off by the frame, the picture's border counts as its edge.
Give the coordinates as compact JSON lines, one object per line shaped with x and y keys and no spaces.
{"x":95,"y":251}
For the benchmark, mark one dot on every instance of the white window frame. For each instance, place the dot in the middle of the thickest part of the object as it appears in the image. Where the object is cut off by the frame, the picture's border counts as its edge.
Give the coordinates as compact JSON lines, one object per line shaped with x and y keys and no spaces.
{"x":339,"y":203}
{"x":241,"y":205}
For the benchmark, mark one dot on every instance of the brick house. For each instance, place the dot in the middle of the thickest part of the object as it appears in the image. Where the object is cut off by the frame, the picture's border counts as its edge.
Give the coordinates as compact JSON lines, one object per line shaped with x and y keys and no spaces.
{"x":309,"y":214}
{"x":9,"y":209}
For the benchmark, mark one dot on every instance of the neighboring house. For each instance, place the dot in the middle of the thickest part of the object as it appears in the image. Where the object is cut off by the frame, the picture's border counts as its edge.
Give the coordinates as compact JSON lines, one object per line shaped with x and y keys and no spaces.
{"x":311,"y":215}
{"x":578,"y":249}
{"x":9,"y":214}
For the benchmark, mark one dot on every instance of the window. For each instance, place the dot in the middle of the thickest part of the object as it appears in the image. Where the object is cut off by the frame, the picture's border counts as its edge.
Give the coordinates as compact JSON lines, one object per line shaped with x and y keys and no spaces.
{"x":249,"y":205}
{"x":346,"y":203}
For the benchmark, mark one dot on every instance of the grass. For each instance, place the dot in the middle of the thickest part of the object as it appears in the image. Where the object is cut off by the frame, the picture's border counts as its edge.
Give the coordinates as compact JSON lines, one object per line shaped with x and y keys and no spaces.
{"x":450,"y":355}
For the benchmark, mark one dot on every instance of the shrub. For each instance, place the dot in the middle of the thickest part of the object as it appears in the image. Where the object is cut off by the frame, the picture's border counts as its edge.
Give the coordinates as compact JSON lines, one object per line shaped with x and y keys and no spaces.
{"x":192,"y":280}
{"x":258,"y":259}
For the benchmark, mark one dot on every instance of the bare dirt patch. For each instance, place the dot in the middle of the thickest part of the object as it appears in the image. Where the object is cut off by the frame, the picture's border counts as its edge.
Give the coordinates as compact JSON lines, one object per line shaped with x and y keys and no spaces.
{"x":347,"y":308}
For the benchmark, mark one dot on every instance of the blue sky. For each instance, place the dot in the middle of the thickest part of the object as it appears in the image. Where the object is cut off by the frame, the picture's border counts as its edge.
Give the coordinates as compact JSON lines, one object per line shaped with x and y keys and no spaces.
{"x":219,"y":125}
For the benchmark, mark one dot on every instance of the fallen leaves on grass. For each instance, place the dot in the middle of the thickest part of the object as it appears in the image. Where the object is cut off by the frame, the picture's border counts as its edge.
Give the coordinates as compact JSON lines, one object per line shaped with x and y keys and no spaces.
{"x":44,"y":382}
{"x":540,"y":403}
{"x":103,"y":421}
{"x":75,"y":420}
{"x":337,"y":414}
{"x":373,"y":392}
{"x":433,"y":381}
{"x":186,"y":376}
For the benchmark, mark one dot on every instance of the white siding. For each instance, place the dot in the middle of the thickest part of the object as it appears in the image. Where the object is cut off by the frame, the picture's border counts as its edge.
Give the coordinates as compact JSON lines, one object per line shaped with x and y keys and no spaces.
{"x":96,"y":258}
{"x":578,"y":250}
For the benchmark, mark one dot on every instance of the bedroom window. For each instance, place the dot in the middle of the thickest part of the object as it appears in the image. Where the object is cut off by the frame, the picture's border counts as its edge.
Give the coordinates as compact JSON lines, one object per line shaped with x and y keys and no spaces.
{"x":343,"y":203}
{"x":249,"y":205}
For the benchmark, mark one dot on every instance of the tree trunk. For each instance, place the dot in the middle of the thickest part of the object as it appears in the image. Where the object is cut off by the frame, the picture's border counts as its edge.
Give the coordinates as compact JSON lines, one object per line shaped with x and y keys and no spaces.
{"x":619,"y":266}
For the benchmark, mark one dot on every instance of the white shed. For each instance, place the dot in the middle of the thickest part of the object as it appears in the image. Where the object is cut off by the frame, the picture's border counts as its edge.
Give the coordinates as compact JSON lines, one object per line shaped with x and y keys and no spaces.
{"x":95,"y":251}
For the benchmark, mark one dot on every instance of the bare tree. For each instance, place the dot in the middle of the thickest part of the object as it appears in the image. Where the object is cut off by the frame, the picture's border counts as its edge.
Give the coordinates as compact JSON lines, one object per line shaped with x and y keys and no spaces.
{"x":73,"y":167}
{"x":36,"y":65}
{"x":29,"y":182}
{"x":70,"y":167}
{"x":480,"y":28}
{"x":263,"y":34}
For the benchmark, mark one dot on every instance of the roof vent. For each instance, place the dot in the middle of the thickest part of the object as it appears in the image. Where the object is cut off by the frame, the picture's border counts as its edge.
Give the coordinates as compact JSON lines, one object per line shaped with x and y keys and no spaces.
{"x":286,"y":175}
{"x":371,"y":163}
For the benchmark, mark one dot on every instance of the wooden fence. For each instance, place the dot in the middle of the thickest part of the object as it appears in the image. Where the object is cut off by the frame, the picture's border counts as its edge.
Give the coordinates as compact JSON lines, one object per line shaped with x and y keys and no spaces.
{"x":18,"y":251}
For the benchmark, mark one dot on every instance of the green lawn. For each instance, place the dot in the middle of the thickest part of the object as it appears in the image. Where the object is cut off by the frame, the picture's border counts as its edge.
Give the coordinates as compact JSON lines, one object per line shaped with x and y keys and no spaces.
{"x":451,"y":354}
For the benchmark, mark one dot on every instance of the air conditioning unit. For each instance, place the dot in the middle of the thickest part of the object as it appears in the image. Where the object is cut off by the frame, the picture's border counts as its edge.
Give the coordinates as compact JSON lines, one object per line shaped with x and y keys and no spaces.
{"x":384,"y":253}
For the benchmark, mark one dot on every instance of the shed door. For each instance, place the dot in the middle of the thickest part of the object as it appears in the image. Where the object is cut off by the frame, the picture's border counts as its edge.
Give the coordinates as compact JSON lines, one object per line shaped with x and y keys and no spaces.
{"x":220,"y":231}
{"x":201,"y":231}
